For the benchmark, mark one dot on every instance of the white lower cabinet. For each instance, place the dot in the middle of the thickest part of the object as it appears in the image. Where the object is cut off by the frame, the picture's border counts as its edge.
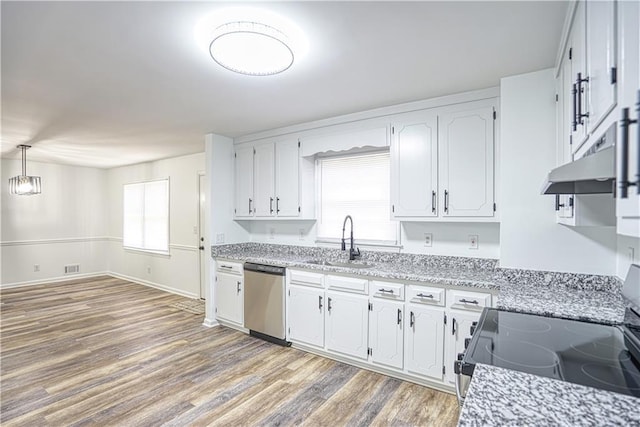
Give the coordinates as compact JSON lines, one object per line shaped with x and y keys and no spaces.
{"x":386,"y":338}
{"x":425,"y":340}
{"x":347,"y":324}
{"x":229,"y":293}
{"x":306,"y":315}
{"x":459,"y":325}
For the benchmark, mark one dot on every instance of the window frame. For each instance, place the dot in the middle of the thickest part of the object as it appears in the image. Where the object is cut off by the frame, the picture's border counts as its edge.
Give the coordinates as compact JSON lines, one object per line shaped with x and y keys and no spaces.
{"x":372,"y":244}
{"x":143,"y":249}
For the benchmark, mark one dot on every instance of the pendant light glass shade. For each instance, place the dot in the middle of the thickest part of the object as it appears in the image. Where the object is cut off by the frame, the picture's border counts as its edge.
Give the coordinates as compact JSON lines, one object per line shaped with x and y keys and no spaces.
{"x":22,"y":184}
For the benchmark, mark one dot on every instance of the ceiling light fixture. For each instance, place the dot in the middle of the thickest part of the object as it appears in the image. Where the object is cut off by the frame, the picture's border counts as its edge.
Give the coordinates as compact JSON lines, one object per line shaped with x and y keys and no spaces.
{"x":22,"y":184}
{"x":251,"y":48}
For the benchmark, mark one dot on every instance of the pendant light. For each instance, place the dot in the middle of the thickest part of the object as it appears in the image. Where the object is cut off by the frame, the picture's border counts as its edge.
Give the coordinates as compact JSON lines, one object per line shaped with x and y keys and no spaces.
{"x":22,"y":184}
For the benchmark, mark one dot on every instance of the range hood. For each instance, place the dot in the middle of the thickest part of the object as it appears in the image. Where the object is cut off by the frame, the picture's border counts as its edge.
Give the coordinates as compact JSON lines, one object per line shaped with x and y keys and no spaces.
{"x":592,"y":174}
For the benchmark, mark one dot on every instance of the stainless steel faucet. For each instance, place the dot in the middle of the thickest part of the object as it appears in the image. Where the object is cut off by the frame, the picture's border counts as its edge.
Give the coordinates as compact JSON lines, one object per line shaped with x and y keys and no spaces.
{"x":353,"y":252}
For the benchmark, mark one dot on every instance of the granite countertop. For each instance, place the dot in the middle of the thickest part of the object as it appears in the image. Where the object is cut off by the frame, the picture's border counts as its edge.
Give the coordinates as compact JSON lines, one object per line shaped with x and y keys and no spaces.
{"x":502,"y":397}
{"x":584,"y":297}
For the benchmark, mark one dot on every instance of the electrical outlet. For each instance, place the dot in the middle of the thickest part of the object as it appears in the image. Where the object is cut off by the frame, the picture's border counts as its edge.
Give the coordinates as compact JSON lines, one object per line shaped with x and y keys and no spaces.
{"x":36,"y":268}
{"x":428,"y":239}
{"x":301,"y":233}
{"x":272,"y":232}
{"x":631,"y":253}
{"x":473,"y":241}
{"x":220,"y":238}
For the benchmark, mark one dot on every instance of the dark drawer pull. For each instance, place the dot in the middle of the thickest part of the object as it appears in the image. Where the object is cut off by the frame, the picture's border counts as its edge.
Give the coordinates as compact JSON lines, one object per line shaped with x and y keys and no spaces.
{"x":386,"y":291}
{"x":421,"y":295}
{"x":468,"y":301}
{"x":226,"y":266}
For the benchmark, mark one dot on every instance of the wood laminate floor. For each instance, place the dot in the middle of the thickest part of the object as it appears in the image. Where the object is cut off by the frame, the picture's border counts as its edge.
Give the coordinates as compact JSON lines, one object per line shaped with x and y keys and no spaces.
{"x":105,"y":351}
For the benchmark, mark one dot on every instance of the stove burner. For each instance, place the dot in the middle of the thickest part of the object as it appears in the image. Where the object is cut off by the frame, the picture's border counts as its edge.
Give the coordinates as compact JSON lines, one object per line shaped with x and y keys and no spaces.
{"x":613,"y":377}
{"x":526,"y":325}
{"x":524,"y":354}
{"x":589,"y":330}
{"x":601,"y":350}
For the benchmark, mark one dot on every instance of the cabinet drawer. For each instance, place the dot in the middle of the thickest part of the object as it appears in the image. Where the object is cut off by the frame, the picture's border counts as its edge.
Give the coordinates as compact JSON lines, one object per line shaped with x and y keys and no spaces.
{"x":348,"y":284}
{"x":464,"y":300}
{"x":229,"y":267}
{"x":306,"y":278}
{"x":387,"y":290}
{"x":426,"y":295}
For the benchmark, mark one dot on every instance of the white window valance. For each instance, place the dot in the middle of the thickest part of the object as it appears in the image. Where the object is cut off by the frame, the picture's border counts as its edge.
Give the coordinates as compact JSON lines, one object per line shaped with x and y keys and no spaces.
{"x":344,"y":141}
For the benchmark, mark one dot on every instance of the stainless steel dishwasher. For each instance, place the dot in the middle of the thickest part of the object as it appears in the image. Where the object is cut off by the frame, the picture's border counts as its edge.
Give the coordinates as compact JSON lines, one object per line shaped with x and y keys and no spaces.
{"x":264,"y":302}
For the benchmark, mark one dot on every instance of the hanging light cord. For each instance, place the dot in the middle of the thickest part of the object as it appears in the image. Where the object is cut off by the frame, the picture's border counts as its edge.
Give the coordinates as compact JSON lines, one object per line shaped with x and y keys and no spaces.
{"x":24,"y":158}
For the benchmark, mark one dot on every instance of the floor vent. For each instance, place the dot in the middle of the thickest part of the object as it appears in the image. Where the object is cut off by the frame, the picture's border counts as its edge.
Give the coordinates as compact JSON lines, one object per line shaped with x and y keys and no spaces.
{"x":69,"y":269}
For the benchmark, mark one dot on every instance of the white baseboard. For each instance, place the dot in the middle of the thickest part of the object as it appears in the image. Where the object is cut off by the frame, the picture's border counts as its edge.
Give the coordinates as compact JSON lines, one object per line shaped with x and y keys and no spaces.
{"x":210,"y":323}
{"x":154,"y":285}
{"x":54,"y":279}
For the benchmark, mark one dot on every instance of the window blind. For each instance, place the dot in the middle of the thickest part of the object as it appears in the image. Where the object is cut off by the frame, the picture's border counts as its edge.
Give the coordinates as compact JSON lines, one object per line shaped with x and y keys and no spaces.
{"x":356,"y":185}
{"x":146,"y":215}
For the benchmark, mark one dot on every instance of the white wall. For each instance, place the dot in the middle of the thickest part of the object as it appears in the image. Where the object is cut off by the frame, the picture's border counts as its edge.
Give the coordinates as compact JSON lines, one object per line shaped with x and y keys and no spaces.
{"x":628,"y":252}
{"x":66,"y":224}
{"x":530,"y":238}
{"x":179,"y":271}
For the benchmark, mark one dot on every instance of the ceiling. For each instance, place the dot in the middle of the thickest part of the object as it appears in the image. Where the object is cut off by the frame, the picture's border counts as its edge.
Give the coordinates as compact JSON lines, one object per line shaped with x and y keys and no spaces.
{"x":106,"y":84}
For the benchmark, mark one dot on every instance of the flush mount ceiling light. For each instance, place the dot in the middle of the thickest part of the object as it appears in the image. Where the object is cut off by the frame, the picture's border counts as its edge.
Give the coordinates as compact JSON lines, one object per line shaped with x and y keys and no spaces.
{"x":22,"y":184}
{"x":251,"y":41}
{"x":251,"y":48}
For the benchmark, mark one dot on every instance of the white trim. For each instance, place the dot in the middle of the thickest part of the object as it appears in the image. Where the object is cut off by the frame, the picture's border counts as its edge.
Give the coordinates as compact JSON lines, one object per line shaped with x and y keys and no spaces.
{"x":55,"y":241}
{"x":147,"y":251}
{"x":66,"y":278}
{"x":458,"y":98}
{"x":179,"y":247}
{"x":154,"y":285}
{"x":564,"y":40}
{"x":210,"y":323}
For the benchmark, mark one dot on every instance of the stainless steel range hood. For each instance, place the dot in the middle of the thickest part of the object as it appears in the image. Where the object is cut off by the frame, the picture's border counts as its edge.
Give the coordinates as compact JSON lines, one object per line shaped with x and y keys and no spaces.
{"x":592,"y":174}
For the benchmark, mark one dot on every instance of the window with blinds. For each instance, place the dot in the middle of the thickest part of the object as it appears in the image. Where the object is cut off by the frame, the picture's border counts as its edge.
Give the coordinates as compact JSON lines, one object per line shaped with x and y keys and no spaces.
{"x":146,"y":216}
{"x":357,"y":185}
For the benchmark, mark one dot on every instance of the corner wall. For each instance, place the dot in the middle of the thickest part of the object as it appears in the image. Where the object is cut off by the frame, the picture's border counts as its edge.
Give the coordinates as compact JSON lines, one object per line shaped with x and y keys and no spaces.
{"x":530,"y":238}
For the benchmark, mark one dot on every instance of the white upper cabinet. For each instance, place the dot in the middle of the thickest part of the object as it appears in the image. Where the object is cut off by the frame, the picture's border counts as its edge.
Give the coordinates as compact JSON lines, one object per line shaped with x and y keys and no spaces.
{"x":268,"y":180}
{"x":264,"y":175}
{"x":628,"y":208}
{"x":466,"y":145}
{"x":577,"y":90}
{"x":287,"y":182}
{"x":414,"y":165}
{"x":244,"y":181}
{"x":601,"y":60}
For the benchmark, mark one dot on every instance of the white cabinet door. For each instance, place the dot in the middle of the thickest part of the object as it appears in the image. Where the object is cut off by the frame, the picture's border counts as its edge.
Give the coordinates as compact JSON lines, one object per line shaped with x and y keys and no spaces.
{"x":601,"y":61}
{"x":458,"y":329}
{"x":244,"y":182}
{"x":287,"y":178}
{"x":229,"y":297}
{"x":466,"y":140}
{"x":425,"y":341}
{"x":386,"y":333}
{"x":628,"y":209}
{"x":347,"y":324}
{"x":264,"y":180}
{"x":414,"y":165}
{"x":306,"y":315}
{"x":577,"y":53}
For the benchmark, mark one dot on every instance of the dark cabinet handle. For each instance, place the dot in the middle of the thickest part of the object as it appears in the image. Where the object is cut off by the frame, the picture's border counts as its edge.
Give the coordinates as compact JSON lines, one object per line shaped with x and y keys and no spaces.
{"x":277,"y":204}
{"x":562,"y":205}
{"x":624,"y":151}
{"x":250,"y":204}
{"x":580,"y":115}
{"x":385,"y":291}
{"x":270,"y":205}
{"x":574,"y":94}
{"x":412,"y":319}
{"x":421,"y":295}
{"x":465,"y":301}
{"x":319,"y":302}
{"x":433,"y":201}
{"x":329,"y":304}
{"x":446,"y":201}
{"x":228,"y":267}
{"x":454,"y":326}
{"x":238,"y":287}
{"x":399,"y":316}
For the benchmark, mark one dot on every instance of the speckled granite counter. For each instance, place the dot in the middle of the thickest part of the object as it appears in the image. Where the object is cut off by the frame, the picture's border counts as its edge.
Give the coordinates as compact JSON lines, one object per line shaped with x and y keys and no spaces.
{"x":439,"y":270}
{"x":502,"y":397}
{"x":572,"y":296}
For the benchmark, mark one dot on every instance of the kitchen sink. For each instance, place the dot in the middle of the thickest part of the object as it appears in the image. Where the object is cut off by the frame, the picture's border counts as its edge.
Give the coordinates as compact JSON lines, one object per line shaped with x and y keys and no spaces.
{"x":338,"y":264}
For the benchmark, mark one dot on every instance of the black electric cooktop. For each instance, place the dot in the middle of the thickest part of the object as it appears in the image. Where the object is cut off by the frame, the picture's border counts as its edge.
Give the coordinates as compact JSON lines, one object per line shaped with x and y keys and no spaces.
{"x":583,"y":353}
